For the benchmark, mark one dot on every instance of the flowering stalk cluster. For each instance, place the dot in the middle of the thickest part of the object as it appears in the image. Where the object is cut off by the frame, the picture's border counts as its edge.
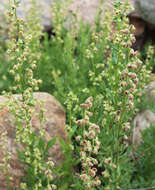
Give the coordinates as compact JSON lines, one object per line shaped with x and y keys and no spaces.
{"x":89,"y":146}
{"x":116,"y":78}
{"x":5,"y":165}
{"x":149,"y":62}
{"x":120,"y":82}
{"x":59,"y":16}
{"x":23,"y":51}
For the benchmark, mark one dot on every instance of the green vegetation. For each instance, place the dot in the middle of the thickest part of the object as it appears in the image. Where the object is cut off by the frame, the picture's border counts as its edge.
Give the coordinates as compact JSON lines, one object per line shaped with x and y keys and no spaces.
{"x":98,"y":78}
{"x":144,"y":174}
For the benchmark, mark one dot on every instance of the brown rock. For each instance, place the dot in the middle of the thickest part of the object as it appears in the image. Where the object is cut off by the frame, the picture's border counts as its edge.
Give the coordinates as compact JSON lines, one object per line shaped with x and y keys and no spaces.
{"x":54,"y":126}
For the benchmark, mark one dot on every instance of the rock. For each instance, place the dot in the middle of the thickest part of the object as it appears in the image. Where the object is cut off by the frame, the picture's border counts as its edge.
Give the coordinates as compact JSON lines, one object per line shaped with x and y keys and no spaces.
{"x":146,"y":10}
{"x":144,"y":31}
{"x":150,"y":91}
{"x":143,"y":18}
{"x":143,"y":120}
{"x":43,"y":6}
{"x":54,"y":126}
{"x":86,"y":10}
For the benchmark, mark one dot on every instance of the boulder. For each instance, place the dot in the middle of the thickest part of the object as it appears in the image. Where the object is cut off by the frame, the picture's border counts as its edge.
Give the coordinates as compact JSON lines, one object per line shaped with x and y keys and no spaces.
{"x":54,"y":126}
{"x":150,"y":90}
{"x":142,"y":121}
{"x":146,"y":118}
{"x":143,"y":18}
{"x":144,"y":31}
{"x":146,"y":10}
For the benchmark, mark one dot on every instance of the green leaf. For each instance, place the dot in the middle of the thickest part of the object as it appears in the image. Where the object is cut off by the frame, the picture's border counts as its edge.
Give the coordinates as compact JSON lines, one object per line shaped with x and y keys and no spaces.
{"x":41,"y":144}
{"x":21,"y":155}
{"x":17,"y":3}
{"x":62,"y":144}
{"x":50,"y":144}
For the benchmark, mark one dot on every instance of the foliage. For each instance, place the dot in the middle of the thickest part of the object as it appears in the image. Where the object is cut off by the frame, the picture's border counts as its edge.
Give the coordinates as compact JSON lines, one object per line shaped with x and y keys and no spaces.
{"x":144,"y":175}
{"x":98,"y":78}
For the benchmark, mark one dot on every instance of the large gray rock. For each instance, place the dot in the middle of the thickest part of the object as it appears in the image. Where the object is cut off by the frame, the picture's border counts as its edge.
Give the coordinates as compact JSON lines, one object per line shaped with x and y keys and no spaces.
{"x":143,"y":19}
{"x":146,"y":10}
{"x":150,"y":90}
{"x":144,"y":119}
{"x":54,"y":126}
